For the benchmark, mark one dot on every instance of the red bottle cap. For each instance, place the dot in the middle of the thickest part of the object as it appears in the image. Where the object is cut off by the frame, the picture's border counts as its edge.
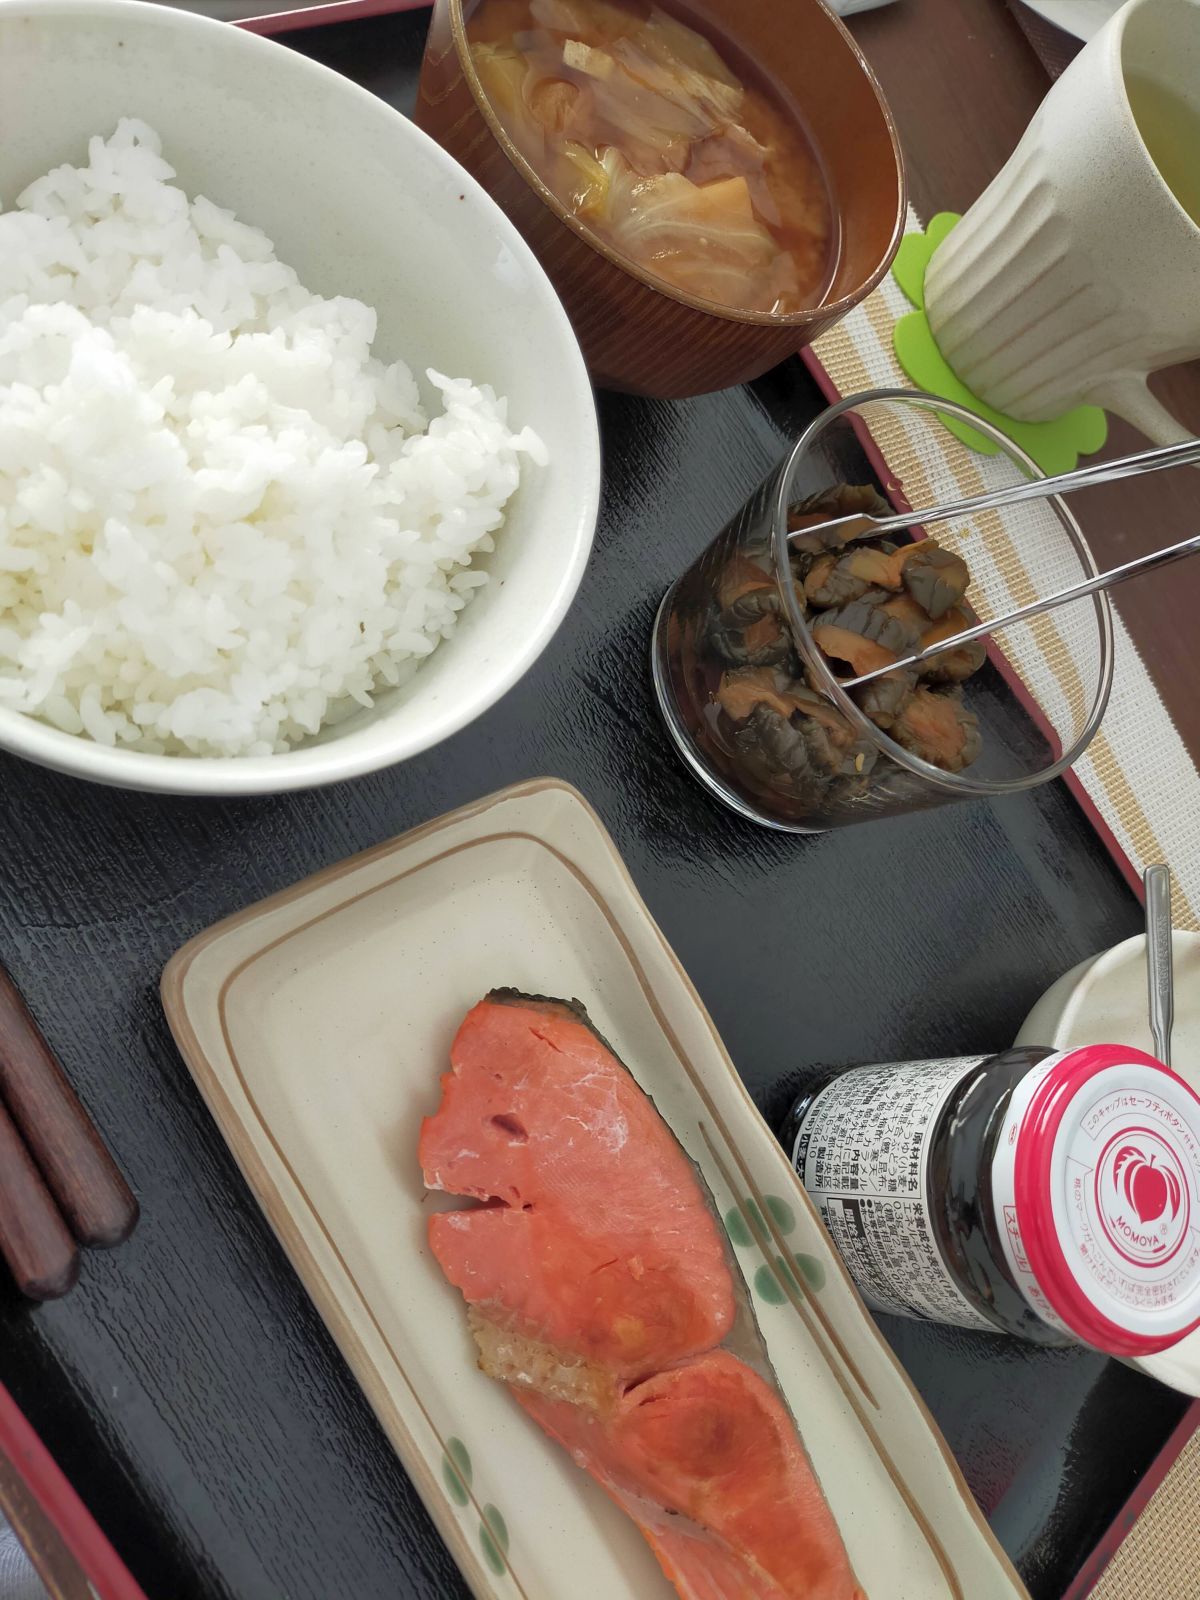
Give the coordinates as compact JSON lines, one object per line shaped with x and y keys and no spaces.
{"x":1096,"y":1183}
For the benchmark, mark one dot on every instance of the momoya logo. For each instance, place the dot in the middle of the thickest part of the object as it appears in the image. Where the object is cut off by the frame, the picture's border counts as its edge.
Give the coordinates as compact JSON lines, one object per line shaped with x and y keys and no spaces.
{"x":1150,"y":1190}
{"x":1142,"y":1197}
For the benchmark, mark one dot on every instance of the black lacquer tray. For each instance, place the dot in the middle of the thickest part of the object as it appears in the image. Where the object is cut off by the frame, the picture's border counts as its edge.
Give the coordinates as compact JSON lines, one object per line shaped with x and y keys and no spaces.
{"x":189,"y":1389}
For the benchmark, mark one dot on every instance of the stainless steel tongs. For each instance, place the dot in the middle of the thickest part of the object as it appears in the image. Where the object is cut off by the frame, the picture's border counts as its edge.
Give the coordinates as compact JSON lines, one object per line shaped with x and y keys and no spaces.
{"x":862,"y":526}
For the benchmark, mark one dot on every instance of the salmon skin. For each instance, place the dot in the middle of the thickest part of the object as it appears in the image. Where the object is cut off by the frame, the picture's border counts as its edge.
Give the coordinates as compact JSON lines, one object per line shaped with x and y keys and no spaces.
{"x":599,"y":1287}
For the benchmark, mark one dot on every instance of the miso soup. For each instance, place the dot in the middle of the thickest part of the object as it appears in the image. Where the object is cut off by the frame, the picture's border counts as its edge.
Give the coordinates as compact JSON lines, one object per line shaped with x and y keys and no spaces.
{"x":695,"y":170}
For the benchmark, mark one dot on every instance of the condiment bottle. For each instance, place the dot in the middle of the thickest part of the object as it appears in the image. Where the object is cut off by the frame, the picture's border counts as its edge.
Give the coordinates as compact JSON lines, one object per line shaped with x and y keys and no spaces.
{"x":1050,"y":1194}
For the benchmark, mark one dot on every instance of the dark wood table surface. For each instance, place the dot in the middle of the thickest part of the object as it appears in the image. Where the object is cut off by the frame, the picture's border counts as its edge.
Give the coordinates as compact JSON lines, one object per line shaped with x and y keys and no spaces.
{"x":963,"y":81}
{"x":187,"y":1386}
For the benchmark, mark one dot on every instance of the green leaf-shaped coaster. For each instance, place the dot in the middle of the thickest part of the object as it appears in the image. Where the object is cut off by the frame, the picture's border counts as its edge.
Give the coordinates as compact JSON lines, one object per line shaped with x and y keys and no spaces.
{"x":1055,"y":446}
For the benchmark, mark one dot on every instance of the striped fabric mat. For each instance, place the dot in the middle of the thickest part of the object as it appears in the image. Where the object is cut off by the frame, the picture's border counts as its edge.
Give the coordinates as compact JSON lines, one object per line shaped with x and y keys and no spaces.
{"x":1137,"y":774}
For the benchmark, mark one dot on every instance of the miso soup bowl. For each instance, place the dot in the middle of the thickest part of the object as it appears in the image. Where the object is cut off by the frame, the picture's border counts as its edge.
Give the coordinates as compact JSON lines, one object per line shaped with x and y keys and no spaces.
{"x":637,"y":333}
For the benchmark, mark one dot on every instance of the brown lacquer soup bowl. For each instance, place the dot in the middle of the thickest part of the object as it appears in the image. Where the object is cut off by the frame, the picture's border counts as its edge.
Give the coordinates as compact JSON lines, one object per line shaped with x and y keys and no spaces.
{"x":639,"y":334}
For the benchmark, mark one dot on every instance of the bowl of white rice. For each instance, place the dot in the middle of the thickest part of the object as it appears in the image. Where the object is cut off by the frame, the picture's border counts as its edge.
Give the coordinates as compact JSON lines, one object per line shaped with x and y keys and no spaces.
{"x":299,"y":464}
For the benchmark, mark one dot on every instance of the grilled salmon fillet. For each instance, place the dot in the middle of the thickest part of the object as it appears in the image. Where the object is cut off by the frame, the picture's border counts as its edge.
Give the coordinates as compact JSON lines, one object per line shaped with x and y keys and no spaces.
{"x":599,"y":1287}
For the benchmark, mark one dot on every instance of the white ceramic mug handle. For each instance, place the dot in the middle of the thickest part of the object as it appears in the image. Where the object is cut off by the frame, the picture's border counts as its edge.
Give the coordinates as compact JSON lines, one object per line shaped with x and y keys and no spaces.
{"x":1130,"y":397}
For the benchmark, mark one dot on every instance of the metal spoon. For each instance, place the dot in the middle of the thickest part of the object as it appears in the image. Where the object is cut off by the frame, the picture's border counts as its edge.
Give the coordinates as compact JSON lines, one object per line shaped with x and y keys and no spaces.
{"x":1160,"y":969}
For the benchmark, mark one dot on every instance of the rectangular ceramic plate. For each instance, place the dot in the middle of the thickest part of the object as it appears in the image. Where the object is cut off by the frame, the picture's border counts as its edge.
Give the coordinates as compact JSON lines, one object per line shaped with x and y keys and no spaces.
{"x":316,"y":1026}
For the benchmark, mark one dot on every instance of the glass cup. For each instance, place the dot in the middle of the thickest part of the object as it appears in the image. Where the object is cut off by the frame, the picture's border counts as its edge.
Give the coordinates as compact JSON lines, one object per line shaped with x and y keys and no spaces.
{"x":756,"y":706}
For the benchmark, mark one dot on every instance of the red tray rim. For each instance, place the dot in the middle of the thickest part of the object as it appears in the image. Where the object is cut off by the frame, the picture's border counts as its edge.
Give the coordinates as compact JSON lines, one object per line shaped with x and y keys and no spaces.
{"x":51,"y":1490}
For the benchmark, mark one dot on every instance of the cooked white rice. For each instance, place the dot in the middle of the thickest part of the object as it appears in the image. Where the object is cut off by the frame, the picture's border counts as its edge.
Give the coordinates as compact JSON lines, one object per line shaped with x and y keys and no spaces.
{"x":223,"y":523}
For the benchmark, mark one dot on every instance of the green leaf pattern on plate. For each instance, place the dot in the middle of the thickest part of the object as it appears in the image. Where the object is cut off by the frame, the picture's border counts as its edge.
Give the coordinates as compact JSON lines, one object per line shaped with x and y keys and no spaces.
{"x":457,"y":1474}
{"x":812,"y":1271}
{"x":745,"y":1225}
{"x":493,"y":1536}
{"x":456,"y":1471}
{"x":767,"y":1286}
{"x":744,"y":1221}
{"x":735,"y":1227}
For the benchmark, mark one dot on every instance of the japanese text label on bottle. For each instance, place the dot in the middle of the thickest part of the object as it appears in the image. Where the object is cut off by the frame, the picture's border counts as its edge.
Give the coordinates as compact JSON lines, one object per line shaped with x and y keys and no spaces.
{"x":863,"y":1155}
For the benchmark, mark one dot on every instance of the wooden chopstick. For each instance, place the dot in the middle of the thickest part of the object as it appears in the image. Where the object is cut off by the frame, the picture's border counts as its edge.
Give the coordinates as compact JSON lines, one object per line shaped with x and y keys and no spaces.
{"x":83,"y":1178}
{"x":34,"y":1239}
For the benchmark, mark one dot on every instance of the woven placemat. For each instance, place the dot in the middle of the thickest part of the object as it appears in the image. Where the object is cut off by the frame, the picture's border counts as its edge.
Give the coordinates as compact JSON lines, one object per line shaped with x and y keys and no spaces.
{"x":1054,"y":47}
{"x":1160,"y":1557}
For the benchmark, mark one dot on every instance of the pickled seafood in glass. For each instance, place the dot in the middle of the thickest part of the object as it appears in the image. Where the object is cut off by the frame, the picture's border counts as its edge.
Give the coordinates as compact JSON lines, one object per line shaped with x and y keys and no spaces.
{"x":753,"y":704}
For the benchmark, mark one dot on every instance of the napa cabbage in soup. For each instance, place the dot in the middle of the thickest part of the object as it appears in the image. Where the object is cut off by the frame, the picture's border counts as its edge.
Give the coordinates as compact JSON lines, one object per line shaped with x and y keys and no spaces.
{"x":700,"y":174}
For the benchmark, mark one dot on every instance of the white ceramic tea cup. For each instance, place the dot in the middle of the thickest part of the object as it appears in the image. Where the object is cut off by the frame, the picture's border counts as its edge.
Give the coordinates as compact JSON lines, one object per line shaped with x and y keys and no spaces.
{"x":1077,"y":272}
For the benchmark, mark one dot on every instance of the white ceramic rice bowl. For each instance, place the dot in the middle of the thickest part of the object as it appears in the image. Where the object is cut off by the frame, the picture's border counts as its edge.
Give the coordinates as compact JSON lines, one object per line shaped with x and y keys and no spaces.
{"x":362,"y":203}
